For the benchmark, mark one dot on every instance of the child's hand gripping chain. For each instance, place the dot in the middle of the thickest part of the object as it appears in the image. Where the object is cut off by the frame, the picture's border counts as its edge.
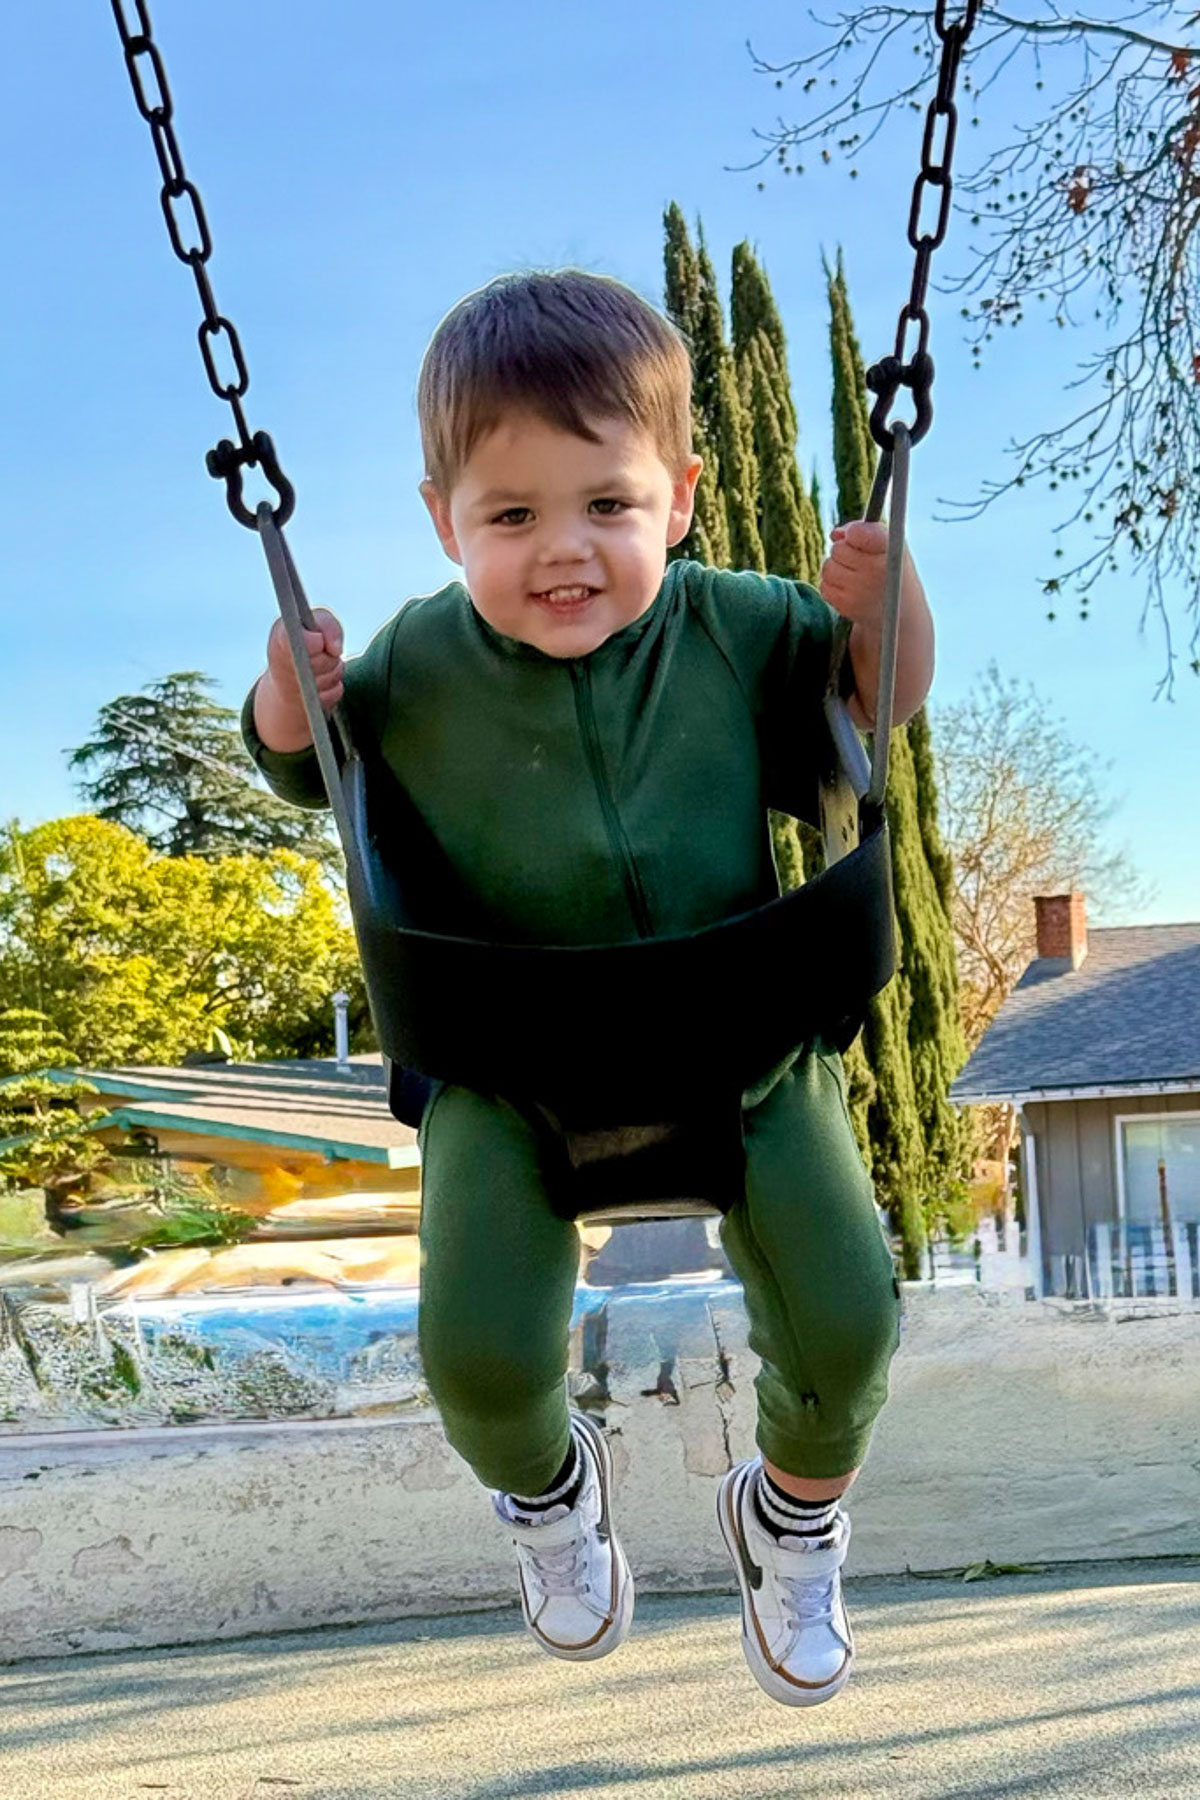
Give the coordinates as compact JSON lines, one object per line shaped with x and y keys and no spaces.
{"x":278,"y":708}
{"x":854,"y":582}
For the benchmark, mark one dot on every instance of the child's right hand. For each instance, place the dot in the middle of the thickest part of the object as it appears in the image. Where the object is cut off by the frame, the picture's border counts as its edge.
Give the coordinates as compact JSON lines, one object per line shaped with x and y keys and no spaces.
{"x":324,"y":654}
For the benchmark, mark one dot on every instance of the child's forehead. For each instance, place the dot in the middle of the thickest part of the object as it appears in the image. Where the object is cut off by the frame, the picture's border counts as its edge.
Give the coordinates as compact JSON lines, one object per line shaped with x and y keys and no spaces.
{"x":523,"y":448}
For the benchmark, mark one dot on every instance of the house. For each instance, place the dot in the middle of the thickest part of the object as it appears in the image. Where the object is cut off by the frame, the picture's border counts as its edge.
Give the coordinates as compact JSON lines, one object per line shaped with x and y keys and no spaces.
{"x":1098,"y":1051}
{"x":315,"y":1123}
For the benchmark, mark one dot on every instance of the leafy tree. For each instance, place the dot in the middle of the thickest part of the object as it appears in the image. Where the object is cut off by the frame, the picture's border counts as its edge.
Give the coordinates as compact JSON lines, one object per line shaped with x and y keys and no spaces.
{"x":1087,"y":210}
{"x":44,"y":1141}
{"x":1024,"y":813}
{"x":170,"y":764}
{"x":135,"y":957}
{"x":29,"y":1043}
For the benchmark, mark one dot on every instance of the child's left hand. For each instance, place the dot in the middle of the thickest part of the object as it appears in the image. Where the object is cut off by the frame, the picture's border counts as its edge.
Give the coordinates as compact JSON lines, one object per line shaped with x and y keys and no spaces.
{"x":854,"y":574}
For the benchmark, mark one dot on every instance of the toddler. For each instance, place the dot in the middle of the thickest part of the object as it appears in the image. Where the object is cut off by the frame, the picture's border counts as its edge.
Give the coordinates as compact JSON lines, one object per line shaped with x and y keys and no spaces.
{"x":595,"y":736}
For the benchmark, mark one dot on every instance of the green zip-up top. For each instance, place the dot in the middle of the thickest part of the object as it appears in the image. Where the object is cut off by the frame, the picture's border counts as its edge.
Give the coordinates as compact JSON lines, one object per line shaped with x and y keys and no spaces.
{"x":600,"y":798}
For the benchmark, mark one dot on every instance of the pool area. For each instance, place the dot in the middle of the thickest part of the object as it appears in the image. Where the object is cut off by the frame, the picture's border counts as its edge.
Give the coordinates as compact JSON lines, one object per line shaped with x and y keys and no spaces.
{"x":79,"y":1352}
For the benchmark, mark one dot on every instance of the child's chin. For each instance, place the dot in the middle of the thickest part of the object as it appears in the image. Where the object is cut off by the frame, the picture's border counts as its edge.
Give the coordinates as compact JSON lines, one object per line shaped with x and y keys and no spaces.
{"x":568,"y":637}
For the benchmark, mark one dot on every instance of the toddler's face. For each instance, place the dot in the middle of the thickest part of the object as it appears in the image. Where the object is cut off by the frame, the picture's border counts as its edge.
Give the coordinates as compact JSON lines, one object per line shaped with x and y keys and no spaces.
{"x":561,"y":541}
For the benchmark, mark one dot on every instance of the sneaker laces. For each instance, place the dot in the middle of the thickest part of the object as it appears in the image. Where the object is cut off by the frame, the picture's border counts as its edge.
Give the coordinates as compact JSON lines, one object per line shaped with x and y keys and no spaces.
{"x":807,"y":1600}
{"x":559,"y":1571}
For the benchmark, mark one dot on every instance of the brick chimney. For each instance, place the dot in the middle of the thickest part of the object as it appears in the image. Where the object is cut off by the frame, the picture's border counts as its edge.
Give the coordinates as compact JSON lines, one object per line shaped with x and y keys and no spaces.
{"x":1062,"y":927}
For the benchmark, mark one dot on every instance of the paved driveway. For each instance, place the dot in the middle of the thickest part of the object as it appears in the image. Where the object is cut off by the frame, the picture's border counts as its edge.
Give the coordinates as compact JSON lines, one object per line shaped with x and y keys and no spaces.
{"x":1081,"y":1681}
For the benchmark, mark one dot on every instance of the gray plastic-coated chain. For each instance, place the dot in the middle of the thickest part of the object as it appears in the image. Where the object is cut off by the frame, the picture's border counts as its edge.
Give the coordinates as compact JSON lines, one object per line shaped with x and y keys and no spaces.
{"x":297,"y":618}
{"x":886,"y":692}
{"x":869,"y":782}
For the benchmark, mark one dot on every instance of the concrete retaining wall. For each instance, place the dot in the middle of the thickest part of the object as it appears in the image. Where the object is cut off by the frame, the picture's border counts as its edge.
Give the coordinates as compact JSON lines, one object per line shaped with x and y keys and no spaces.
{"x":1014,"y":1432}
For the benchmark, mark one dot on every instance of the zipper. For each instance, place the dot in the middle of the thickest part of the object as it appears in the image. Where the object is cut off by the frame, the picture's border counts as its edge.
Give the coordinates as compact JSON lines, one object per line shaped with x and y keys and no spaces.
{"x":586,"y":713}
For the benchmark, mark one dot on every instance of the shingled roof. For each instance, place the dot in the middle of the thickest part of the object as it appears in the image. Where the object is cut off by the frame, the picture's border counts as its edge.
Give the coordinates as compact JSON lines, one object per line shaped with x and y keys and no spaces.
{"x":1127,"y":1018}
{"x":308,"y":1105}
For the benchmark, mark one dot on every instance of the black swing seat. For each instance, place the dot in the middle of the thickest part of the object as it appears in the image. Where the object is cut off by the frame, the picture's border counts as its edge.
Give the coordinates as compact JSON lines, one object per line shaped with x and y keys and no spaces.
{"x":636,"y":1054}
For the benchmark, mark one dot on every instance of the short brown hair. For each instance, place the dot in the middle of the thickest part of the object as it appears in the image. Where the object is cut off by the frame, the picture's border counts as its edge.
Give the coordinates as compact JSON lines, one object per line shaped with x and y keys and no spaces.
{"x":569,"y":347}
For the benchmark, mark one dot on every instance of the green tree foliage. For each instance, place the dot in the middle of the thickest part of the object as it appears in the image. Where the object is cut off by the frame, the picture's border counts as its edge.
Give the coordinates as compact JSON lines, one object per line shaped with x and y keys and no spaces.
{"x":913,"y":1040}
{"x":133,"y":956}
{"x":708,"y":538}
{"x":29,"y":1043}
{"x":900,"y":1069}
{"x":791,"y":534}
{"x":787,"y":523}
{"x":44,"y":1140}
{"x":169,"y":763}
{"x":725,"y":531}
{"x":854,"y":452}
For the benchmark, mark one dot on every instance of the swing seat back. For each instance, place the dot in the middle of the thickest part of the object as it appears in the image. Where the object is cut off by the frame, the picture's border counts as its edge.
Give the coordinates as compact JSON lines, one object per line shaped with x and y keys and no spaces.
{"x":637,"y":1053}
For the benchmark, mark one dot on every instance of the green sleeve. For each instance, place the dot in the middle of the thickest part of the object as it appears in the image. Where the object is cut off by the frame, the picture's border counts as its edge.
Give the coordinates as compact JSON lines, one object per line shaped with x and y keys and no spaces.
{"x":292,"y":774}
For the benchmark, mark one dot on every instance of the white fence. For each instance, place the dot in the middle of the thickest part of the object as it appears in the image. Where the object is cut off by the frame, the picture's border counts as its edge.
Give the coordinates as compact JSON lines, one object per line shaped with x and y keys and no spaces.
{"x":1141,"y":1262}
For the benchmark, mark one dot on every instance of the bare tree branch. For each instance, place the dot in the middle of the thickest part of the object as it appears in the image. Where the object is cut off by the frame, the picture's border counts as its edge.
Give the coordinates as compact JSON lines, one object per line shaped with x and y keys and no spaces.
{"x":1089,"y":210}
{"x":1023,"y":812}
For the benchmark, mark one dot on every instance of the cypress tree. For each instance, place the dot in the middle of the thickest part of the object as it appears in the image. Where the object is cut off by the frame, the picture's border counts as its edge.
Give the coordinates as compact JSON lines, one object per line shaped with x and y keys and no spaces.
{"x":730,"y":423}
{"x":936,"y":1040}
{"x":681,"y":273}
{"x":707,"y":540}
{"x":854,"y":452}
{"x":788,"y":525}
{"x":752,"y":309}
{"x":739,"y":467}
{"x":782,"y":503}
{"x":913,"y":1036}
{"x":785,"y":510}
{"x":899,"y":1070}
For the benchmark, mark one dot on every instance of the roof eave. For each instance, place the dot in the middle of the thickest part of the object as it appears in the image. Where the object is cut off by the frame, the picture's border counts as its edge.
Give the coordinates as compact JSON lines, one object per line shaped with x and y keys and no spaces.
{"x":394,"y":1156}
{"x":1112,"y":1090}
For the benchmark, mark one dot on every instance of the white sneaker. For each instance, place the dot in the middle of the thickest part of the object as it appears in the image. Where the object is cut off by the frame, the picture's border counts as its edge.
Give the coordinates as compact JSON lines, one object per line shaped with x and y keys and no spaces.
{"x":576,"y":1589}
{"x":795,"y":1633}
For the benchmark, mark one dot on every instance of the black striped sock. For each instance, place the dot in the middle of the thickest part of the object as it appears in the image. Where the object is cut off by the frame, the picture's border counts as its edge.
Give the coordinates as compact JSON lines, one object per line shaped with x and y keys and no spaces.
{"x":564,"y":1490}
{"x":783,"y":1515}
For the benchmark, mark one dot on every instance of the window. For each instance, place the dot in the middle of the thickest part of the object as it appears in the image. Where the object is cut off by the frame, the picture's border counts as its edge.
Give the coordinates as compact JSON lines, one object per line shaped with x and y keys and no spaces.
{"x":1160,"y":1161}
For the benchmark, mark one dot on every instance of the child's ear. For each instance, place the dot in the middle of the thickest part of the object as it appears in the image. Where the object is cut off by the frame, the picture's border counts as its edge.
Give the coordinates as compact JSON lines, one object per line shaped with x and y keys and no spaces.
{"x":439,"y":512}
{"x":683,"y":501}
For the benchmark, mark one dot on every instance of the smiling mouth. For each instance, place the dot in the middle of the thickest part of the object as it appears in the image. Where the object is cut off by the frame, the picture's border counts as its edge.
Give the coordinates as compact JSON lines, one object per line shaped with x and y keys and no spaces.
{"x":566,"y":599}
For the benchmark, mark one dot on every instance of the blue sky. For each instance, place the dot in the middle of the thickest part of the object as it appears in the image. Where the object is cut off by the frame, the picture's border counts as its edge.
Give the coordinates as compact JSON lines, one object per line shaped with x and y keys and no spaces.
{"x":362,"y":166}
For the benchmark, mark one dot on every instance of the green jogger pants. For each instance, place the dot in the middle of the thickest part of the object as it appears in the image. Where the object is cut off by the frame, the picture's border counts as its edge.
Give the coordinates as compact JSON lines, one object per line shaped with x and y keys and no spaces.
{"x":499,"y":1270}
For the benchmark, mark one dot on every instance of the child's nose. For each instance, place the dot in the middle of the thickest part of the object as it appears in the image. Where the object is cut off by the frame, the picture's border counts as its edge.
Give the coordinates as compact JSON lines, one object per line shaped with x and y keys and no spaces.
{"x":568,"y":541}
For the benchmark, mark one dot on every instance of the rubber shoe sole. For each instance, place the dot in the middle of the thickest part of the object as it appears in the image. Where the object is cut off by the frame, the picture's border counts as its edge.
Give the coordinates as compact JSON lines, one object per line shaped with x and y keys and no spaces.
{"x":770,"y":1677}
{"x":612,"y":1634}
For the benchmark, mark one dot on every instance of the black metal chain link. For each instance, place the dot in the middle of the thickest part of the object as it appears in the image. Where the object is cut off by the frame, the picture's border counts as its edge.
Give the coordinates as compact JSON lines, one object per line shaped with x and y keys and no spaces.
{"x":886,"y":377}
{"x":191,"y":241}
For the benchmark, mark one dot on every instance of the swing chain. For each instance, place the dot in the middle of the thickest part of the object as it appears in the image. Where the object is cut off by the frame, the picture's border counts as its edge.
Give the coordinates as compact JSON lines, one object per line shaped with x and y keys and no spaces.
{"x":886,"y":377}
{"x":191,"y":241}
